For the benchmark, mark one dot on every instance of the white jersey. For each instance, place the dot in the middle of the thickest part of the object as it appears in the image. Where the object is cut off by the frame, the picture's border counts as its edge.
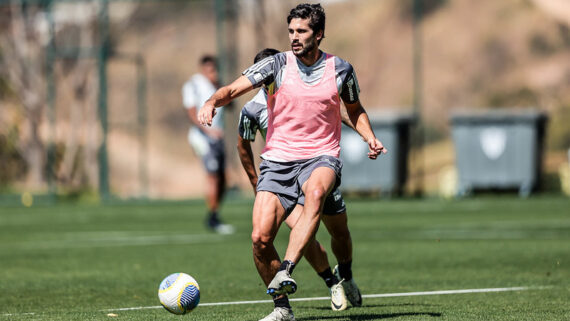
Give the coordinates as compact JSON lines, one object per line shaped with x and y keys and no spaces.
{"x":195,"y":92}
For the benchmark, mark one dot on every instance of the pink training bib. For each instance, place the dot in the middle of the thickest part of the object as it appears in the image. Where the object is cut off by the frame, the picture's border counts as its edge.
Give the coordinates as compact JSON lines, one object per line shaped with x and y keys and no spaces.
{"x":303,"y":121}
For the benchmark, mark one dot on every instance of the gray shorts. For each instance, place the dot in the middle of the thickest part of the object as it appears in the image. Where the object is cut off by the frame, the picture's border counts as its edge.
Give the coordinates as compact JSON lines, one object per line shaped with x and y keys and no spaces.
{"x":285,"y":179}
{"x":214,"y":159}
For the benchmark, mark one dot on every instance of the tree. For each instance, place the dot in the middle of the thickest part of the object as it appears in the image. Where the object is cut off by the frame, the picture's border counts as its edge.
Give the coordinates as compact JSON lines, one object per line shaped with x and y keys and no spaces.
{"x":22,"y":46}
{"x":24,"y":41}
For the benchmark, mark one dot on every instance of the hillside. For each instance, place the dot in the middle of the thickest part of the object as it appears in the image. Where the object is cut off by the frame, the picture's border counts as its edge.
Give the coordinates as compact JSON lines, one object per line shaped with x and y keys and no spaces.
{"x":475,"y":54}
{"x":478,"y":54}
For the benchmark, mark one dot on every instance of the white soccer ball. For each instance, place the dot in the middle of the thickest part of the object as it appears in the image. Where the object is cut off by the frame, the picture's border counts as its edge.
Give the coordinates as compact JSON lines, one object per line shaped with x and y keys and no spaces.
{"x":179,"y":293}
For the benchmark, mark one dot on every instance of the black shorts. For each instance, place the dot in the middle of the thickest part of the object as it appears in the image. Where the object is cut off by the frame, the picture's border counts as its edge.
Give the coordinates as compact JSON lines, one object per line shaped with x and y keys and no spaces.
{"x":285,"y":179}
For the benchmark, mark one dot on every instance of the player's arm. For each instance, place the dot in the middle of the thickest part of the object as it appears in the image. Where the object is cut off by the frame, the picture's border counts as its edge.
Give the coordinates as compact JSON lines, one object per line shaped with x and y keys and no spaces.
{"x":344,"y":117}
{"x":193,"y":116}
{"x":189,"y":101}
{"x":221,"y":97}
{"x":247,"y":128}
{"x":361,"y":123}
{"x":255,"y":76}
{"x":246,"y":157}
{"x":357,"y":117}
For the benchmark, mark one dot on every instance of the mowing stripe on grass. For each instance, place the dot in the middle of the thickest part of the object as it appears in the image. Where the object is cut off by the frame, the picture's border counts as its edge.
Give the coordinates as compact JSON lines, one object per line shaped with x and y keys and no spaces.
{"x":102,"y":240}
{"x":324,"y":298}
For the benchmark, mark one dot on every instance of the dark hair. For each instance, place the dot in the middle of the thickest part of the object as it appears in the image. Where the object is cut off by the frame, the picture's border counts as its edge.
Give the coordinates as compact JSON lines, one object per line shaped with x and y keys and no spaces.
{"x":267,"y":52}
{"x":207,"y":59}
{"x":314,"y":12}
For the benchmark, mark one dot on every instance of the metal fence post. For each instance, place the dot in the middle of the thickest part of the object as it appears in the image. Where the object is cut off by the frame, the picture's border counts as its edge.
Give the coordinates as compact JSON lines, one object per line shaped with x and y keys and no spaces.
{"x":102,"y":99}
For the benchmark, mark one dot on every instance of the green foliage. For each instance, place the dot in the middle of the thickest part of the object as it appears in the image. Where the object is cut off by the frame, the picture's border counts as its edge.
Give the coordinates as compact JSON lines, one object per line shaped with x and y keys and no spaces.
{"x":76,"y":185}
{"x":13,"y":165}
{"x":432,"y":133}
{"x":550,"y":182}
{"x":540,"y":45}
{"x":74,"y":262}
{"x":519,"y":97}
{"x":4,"y":88}
{"x":558,"y":135}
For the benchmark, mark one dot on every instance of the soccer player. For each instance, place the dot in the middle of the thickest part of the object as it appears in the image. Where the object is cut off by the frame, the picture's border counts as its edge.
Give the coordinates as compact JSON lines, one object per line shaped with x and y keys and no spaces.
{"x":207,"y":142}
{"x":253,"y":118}
{"x":300,"y":158}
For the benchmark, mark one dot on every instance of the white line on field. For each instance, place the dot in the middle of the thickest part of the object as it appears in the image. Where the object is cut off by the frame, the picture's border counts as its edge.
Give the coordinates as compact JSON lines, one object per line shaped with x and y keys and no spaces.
{"x":15,"y":314}
{"x":323,"y":298}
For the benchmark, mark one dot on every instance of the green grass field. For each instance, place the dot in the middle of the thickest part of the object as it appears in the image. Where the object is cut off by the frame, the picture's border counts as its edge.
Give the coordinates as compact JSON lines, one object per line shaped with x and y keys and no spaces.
{"x":75,"y":262}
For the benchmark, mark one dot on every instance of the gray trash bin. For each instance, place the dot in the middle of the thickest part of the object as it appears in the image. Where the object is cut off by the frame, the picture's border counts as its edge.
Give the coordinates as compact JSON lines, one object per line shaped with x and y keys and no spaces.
{"x":498,"y":149}
{"x":389,"y":172}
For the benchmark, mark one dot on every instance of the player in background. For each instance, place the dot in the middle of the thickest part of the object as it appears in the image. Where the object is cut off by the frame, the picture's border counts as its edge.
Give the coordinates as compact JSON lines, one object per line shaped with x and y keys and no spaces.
{"x":301,"y":154}
{"x":208,"y":142}
{"x":253,"y":118}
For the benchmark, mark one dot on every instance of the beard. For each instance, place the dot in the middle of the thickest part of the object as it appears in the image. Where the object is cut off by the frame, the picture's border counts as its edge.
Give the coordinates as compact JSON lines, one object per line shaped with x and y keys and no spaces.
{"x":310,"y":46}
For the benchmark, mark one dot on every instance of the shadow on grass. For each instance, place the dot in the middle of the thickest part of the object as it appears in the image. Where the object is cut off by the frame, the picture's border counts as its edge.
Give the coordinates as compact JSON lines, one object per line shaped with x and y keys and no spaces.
{"x":328,"y":308}
{"x":371,"y":316}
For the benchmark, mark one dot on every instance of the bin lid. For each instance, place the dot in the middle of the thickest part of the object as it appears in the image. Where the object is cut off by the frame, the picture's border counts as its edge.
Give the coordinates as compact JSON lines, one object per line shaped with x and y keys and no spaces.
{"x":507,"y":115}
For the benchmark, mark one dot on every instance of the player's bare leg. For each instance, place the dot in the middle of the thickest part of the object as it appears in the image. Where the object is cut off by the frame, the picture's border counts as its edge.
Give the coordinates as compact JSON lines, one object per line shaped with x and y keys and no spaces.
{"x":215,"y":188}
{"x":268,"y":213}
{"x":315,"y":253}
{"x":221,"y":188}
{"x":214,"y":191}
{"x":316,"y":189}
{"x":341,"y":244}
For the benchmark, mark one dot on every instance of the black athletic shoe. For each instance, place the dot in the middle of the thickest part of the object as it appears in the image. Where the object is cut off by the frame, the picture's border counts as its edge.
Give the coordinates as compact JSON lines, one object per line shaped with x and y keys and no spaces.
{"x":214,"y":224}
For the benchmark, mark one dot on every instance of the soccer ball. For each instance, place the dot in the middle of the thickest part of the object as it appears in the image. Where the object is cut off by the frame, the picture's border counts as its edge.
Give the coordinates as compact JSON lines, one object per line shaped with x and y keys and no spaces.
{"x":179,"y":293}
